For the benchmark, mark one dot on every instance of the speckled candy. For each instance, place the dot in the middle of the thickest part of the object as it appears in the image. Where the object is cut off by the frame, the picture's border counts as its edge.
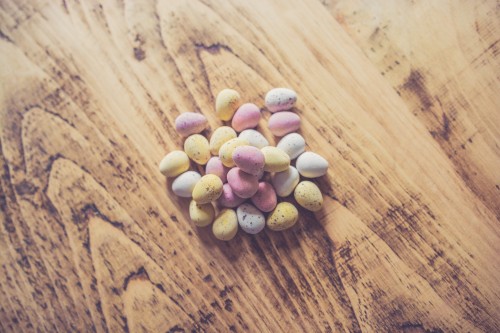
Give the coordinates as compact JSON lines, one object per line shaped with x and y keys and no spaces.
{"x":309,"y":196}
{"x":184,"y":184}
{"x":276,"y":160}
{"x":247,"y":116}
{"x":284,"y":216}
{"x":208,"y":188}
{"x":254,"y":138}
{"x":228,"y":198}
{"x":284,"y":182}
{"x":293,"y":144}
{"x":188,"y":123}
{"x":265,"y":198}
{"x":215,"y":167}
{"x":225,"y":225}
{"x":249,"y":159}
{"x":227,"y":149}
{"x":243,"y":184}
{"x":250,"y":219}
{"x":282,"y":123}
{"x":197,"y":148}
{"x":311,"y":165}
{"x":220,"y":136}
{"x":279,"y":99}
{"x":201,"y":214}
{"x":174,"y":163}
{"x":226,"y":103}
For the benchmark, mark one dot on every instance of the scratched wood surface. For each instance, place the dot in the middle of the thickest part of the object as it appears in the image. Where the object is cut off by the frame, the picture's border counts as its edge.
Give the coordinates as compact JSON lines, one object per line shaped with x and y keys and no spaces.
{"x":92,"y":239}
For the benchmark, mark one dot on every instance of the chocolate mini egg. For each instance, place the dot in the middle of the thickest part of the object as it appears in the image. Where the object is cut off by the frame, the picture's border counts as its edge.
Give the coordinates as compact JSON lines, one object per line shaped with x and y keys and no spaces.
{"x":276,"y":160}
{"x":309,"y":196}
{"x":188,"y":123}
{"x":174,"y":163}
{"x":197,"y":148}
{"x":247,"y":116}
{"x":311,"y":165}
{"x":225,"y":225}
{"x":220,"y":136}
{"x":282,"y":123}
{"x":201,"y":214}
{"x":284,"y":182}
{"x":284,"y":216}
{"x":265,"y":197}
{"x":280,"y":99}
{"x":227,"y":149}
{"x":249,"y":159}
{"x":228,"y":198}
{"x":208,"y":188}
{"x":254,"y":138}
{"x":215,"y":167}
{"x":226,"y":103}
{"x":293,"y":144}
{"x":184,"y":184}
{"x":243,"y":184}
{"x":250,"y":219}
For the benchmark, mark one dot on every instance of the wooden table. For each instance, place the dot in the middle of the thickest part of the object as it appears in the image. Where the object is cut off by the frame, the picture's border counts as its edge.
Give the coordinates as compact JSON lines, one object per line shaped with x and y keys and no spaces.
{"x":400,"y":97}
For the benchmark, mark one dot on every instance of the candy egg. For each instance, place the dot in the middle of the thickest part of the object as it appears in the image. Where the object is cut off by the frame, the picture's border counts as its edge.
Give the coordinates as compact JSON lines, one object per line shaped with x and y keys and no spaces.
{"x":174,"y":163}
{"x":284,"y":182}
{"x":228,"y":198}
{"x":249,"y":159}
{"x":309,"y":196}
{"x":247,"y":116}
{"x":227,"y":149}
{"x":225,"y":225}
{"x":188,"y":123}
{"x":220,"y":136}
{"x":201,"y":214}
{"x":282,"y":123}
{"x":197,"y":148}
{"x":243,"y":184}
{"x":279,"y":99}
{"x":284,"y":216}
{"x":311,"y":165}
{"x":250,"y":219}
{"x":208,"y":188}
{"x":184,"y":184}
{"x":226,"y":103}
{"x":215,"y":167}
{"x":293,"y":144}
{"x":276,"y":160}
{"x":265,"y":197}
{"x":254,"y":138}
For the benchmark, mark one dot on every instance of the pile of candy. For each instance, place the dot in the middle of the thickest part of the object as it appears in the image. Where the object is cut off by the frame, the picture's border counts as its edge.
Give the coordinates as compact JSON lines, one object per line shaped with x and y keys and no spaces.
{"x":235,"y":176}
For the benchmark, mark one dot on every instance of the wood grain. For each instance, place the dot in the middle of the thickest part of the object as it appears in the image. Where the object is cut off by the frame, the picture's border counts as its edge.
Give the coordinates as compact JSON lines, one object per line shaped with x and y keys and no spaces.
{"x":92,"y":239}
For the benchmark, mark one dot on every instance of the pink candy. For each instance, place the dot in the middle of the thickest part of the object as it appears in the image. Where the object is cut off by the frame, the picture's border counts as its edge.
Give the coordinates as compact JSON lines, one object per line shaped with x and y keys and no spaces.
{"x":243,"y":184}
{"x":249,"y":159}
{"x":215,"y":167}
{"x":265,"y":198}
{"x":285,"y":122}
{"x":228,"y":199}
{"x":188,"y":123}
{"x":247,"y":116}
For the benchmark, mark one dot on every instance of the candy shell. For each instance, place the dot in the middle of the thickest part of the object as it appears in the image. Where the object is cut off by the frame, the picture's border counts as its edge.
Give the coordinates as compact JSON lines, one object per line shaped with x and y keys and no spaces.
{"x":293,"y":144}
{"x":247,"y":116}
{"x":265,"y":197}
{"x":197,"y":148}
{"x":215,"y":167}
{"x":284,"y":216}
{"x":311,"y":165}
{"x":228,"y":198}
{"x":254,"y":138}
{"x":188,"y":123}
{"x":282,"y":123}
{"x":243,"y":184}
{"x":226,"y":103}
{"x":250,"y":219}
{"x":201,"y":214}
{"x":220,"y":136}
{"x":284,"y":182}
{"x":227,"y":149}
{"x":174,"y":163}
{"x":225,"y":225}
{"x":279,"y":99}
{"x":208,"y":188}
{"x":276,"y":160}
{"x":184,"y":184}
{"x":249,"y":159}
{"x":309,"y":196}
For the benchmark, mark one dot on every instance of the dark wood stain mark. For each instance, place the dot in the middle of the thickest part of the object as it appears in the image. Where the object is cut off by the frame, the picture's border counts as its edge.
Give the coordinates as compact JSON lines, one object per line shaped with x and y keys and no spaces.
{"x":175,"y":329}
{"x":415,"y":83}
{"x":25,"y":187}
{"x":139,"y":54}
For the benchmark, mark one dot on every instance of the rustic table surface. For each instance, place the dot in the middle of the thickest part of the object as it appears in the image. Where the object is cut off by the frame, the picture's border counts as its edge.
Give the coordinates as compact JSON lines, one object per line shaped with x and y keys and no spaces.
{"x":401,"y":97}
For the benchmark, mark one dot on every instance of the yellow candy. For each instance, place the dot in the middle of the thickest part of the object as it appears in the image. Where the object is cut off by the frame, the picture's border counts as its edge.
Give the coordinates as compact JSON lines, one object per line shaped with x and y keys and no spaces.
{"x":225,"y":226}
{"x":197,"y":148}
{"x":201,"y":214}
{"x":284,"y":216}
{"x":226,"y":103}
{"x":219,"y":137}
{"x":309,"y":196}
{"x":207,"y":189}
{"x":174,"y":163}
{"x":226,"y":151}
{"x":276,"y":160}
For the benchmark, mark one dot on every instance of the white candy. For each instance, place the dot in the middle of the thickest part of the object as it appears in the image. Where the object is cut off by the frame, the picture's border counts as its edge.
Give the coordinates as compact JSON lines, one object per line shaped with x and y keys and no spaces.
{"x":250,"y":218}
{"x":293,"y":144}
{"x":184,"y":184}
{"x":280,"y":99}
{"x":254,"y":138}
{"x":284,"y":182}
{"x":311,"y":165}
